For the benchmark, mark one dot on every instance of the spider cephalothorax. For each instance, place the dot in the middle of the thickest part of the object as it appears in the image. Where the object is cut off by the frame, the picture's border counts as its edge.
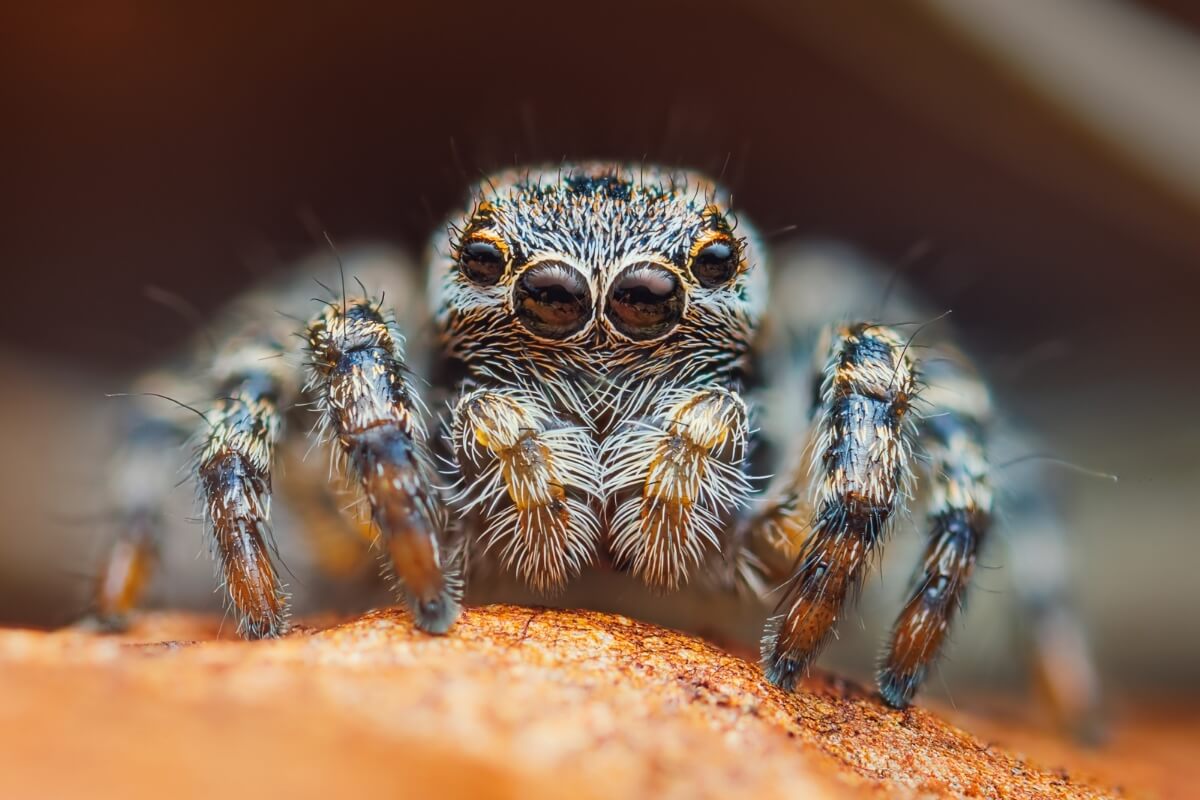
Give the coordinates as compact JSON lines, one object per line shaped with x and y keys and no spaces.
{"x":585,"y":306}
{"x":593,"y":329}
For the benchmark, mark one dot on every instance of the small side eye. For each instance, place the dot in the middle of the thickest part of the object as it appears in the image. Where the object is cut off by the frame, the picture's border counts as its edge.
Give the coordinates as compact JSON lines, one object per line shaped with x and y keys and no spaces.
{"x":715,"y":261}
{"x":482,"y":260}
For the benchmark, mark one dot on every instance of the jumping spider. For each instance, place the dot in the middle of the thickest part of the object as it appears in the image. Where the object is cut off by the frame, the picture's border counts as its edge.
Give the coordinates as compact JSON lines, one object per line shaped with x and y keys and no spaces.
{"x":604,"y":338}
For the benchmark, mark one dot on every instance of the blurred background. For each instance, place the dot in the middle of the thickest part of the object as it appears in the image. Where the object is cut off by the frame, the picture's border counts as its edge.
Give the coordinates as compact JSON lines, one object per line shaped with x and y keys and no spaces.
{"x":1047,"y":153}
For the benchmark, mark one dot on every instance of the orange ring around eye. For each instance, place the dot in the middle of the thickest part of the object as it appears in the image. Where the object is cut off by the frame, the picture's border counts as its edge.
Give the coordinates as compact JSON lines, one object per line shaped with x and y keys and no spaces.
{"x":482,"y":257}
{"x":715,"y":258}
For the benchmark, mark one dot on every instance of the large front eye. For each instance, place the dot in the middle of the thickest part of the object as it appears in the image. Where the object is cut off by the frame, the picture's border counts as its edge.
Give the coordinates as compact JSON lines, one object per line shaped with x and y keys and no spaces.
{"x":552,"y":300}
{"x":646,"y":300}
{"x":482,"y":260}
{"x":715,"y":261}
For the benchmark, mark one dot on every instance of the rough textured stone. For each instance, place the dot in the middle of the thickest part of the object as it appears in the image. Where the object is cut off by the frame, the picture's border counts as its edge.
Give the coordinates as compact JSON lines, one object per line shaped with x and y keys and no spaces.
{"x":516,"y":702}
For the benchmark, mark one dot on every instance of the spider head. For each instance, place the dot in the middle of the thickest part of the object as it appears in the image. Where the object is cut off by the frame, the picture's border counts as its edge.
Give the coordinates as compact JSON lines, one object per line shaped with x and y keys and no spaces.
{"x":610,"y":259}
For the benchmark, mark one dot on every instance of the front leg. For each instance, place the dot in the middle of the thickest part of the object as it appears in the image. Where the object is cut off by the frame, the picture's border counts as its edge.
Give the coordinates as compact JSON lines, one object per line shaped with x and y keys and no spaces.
{"x":533,"y":478}
{"x":861,"y":466}
{"x":677,"y":478}
{"x":357,"y":375}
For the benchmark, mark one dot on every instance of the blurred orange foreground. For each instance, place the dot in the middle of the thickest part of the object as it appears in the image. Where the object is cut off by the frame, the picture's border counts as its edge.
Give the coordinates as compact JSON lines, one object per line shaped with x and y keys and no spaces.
{"x":515,"y":702}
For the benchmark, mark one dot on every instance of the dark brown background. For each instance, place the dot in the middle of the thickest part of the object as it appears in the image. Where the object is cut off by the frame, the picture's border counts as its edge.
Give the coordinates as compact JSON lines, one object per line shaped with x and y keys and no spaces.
{"x":144,"y":144}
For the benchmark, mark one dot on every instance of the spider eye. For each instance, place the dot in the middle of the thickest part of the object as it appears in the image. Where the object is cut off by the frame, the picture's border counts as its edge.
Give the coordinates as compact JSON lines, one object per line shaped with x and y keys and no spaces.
{"x":482,"y":261}
{"x":715,"y":262}
{"x":645,"y":301}
{"x":552,"y":300}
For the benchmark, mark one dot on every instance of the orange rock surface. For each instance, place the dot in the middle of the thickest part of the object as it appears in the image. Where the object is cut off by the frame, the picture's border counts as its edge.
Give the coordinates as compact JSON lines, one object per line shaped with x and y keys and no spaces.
{"x":515,"y":702}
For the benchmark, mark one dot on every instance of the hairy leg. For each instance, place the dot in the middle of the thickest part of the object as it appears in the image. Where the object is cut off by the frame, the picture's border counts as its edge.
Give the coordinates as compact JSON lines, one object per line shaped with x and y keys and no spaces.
{"x":1059,"y":656}
{"x":768,"y":543}
{"x":953,"y":431}
{"x":815,"y":283}
{"x":679,"y":480}
{"x":861,"y":463}
{"x":141,"y":476}
{"x":339,"y":540}
{"x":245,"y":361}
{"x":531,"y":480}
{"x":233,"y":469}
{"x":251,"y":384}
{"x":358,"y":377}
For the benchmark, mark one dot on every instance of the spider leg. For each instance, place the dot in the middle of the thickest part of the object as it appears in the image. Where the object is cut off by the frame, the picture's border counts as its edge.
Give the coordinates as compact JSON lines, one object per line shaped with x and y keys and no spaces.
{"x":141,"y":477}
{"x":814,"y":283}
{"x":1060,"y":658}
{"x":126,"y":573}
{"x":678,"y":477}
{"x":767,"y":544}
{"x":531,"y":478}
{"x":861,"y":462}
{"x":233,"y":469}
{"x":339,"y":541}
{"x":357,"y":374}
{"x":953,"y":432}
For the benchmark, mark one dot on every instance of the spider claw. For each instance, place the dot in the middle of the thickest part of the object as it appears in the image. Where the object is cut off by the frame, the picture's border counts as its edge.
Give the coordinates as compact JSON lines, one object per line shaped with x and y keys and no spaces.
{"x":781,"y":669}
{"x":435,"y":615}
{"x":897,"y":688}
